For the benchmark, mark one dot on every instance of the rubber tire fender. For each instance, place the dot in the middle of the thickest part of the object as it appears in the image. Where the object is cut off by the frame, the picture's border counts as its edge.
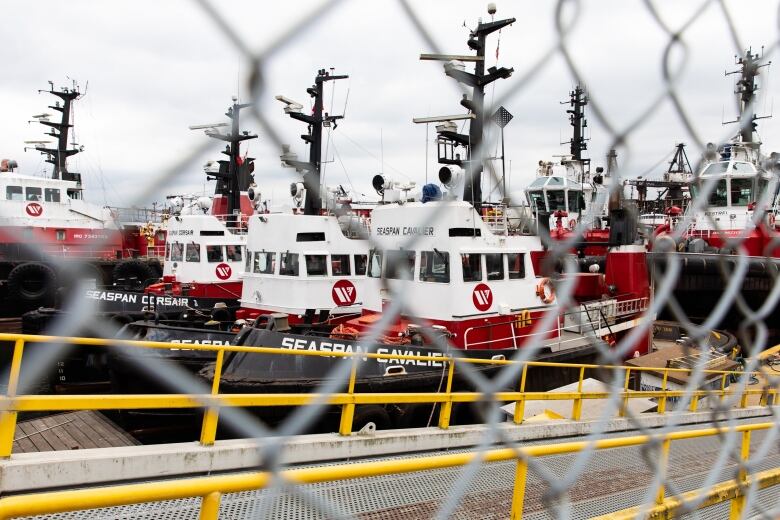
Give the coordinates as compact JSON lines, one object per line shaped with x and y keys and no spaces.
{"x":44,"y":296}
{"x":133,"y":267}
{"x":374,"y":413}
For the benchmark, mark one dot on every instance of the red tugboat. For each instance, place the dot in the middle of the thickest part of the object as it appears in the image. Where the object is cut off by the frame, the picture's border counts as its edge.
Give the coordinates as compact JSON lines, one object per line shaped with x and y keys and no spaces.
{"x":736,"y":222}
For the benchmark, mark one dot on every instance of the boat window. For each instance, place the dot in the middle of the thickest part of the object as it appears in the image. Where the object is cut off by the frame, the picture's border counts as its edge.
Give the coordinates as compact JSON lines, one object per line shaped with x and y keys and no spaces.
{"x":339,"y":265}
{"x":742,"y":167}
{"x":51,"y":195}
{"x":472,"y":267}
{"x":375,"y":262}
{"x":233,"y":253}
{"x":718,"y":194}
{"x":212,"y":233}
{"x":536,"y":199}
{"x":465,"y":232}
{"x":34,"y":194}
{"x":248,"y":266}
{"x":399,"y":264}
{"x":361,"y":264}
{"x":167,"y":251}
{"x":177,"y":252}
{"x":317,"y":265}
{"x":265,"y":262}
{"x":576,"y":201}
{"x":717,"y":167}
{"x":435,"y":266}
{"x":310,"y":237}
{"x":288,"y":265}
{"x":214,"y":254}
{"x":516,"y":263}
{"x":60,"y":234}
{"x":494,"y":264}
{"x":556,"y":199}
{"x":193,"y":252}
{"x":14,"y":193}
{"x":741,"y":192}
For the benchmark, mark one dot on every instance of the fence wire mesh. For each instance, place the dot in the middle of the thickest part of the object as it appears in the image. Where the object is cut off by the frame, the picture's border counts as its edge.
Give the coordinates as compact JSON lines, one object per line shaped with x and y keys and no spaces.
{"x":554,"y":481}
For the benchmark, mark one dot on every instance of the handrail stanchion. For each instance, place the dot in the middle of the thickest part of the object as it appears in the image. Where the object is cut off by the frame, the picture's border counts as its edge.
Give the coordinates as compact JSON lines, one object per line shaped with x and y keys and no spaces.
{"x":723,"y":387}
{"x":8,"y":417}
{"x":208,"y":432}
{"x":520,"y":403}
{"x":744,"y":398}
{"x":624,"y":407}
{"x":348,"y":410}
{"x":576,"y":409}
{"x":666,"y":444}
{"x":446,"y":407}
{"x":518,"y":493}
{"x":738,"y":502}
{"x":662,"y":399}
{"x":209,"y":505}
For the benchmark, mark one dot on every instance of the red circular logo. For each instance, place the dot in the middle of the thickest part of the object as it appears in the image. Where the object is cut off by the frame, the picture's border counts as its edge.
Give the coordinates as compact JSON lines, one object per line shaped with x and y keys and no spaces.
{"x":343,"y":293}
{"x":223,"y":271}
{"x":34,"y":209}
{"x":482,"y":297}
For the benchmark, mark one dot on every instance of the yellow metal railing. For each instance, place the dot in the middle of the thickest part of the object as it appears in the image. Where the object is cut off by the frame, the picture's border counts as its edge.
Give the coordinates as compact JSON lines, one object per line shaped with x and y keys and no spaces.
{"x":211,"y":488}
{"x":11,"y":404}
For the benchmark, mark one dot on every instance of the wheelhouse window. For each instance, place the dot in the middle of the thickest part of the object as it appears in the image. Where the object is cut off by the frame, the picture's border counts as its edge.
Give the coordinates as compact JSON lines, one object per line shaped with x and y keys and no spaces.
{"x":741,"y":192}
{"x":399,"y":265}
{"x":361,"y":262}
{"x":14,"y":193}
{"x":214,"y":254}
{"x":339,"y":265}
{"x":288,"y":265}
{"x":576,"y":201}
{"x":537,"y":200}
{"x":718,"y":194}
{"x":717,"y":167}
{"x":556,"y":199}
{"x":316,"y":265}
{"x":177,"y":252}
{"x":192,"y":252}
{"x":516,"y":265}
{"x":265,"y":262}
{"x":472,"y":267}
{"x":742,"y":167}
{"x":375,"y":264}
{"x":51,"y":195}
{"x":233,"y":253}
{"x":34,"y":194}
{"x":435,"y":266}
{"x":494,"y":264}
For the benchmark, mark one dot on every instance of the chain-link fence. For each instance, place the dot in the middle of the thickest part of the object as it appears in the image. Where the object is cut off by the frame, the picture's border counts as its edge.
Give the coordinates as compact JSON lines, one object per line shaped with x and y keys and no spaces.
{"x":743,"y":299}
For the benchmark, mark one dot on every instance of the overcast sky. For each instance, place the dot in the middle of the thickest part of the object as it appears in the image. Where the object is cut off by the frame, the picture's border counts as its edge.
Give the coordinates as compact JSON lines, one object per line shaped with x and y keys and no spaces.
{"x":154,"y":68}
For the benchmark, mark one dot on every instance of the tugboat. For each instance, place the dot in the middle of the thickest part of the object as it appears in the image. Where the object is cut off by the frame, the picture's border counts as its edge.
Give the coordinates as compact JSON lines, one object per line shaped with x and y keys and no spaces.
{"x":46,"y":226}
{"x":737,"y":220}
{"x":465,"y":285}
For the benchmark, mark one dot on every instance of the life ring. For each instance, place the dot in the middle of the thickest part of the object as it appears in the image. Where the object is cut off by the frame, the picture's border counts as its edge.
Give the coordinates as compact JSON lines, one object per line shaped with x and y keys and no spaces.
{"x":545,"y":290}
{"x":771,"y":218}
{"x":572,"y":224}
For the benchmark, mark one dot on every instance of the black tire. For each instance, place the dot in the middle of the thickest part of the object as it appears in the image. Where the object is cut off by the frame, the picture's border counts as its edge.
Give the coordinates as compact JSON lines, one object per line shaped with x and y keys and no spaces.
{"x":132,"y":268}
{"x":156,"y":267}
{"x":374,"y":413}
{"x":221,"y":315}
{"x":32,"y":285}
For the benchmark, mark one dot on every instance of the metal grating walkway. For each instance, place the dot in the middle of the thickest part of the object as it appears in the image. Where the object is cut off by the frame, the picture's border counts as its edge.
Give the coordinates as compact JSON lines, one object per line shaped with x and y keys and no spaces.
{"x":616,"y":479}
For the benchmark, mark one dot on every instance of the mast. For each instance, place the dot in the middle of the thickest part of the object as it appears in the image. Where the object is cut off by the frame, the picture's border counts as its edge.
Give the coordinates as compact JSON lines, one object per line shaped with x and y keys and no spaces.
{"x":316,"y":121}
{"x":235,"y":173}
{"x":746,"y":88}
{"x":58,"y":156}
{"x":472,"y":189}
{"x":578,"y":100}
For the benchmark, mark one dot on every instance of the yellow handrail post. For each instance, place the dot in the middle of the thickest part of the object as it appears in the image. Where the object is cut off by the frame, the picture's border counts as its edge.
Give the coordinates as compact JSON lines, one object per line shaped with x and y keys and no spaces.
{"x":209,"y":505}
{"x":576,"y":409}
{"x":744,"y":398}
{"x":723,"y":387}
{"x":518,"y":493}
{"x":348,"y":410}
{"x":664,"y":464}
{"x":738,"y":502}
{"x":624,"y":407}
{"x":520,"y":403}
{"x":8,"y":418}
{"x":446,"y":407}
{"x":694,"y":401}
{"x":208,"y":432}
{"x":662,"y":399}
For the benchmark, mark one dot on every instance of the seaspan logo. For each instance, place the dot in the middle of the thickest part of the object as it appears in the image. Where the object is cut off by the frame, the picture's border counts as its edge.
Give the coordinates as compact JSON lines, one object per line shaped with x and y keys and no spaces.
{"x":34,"y":209}
{"x":223,"y":271}
{"x":482,"y":297}
{"x":343,"y":293}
